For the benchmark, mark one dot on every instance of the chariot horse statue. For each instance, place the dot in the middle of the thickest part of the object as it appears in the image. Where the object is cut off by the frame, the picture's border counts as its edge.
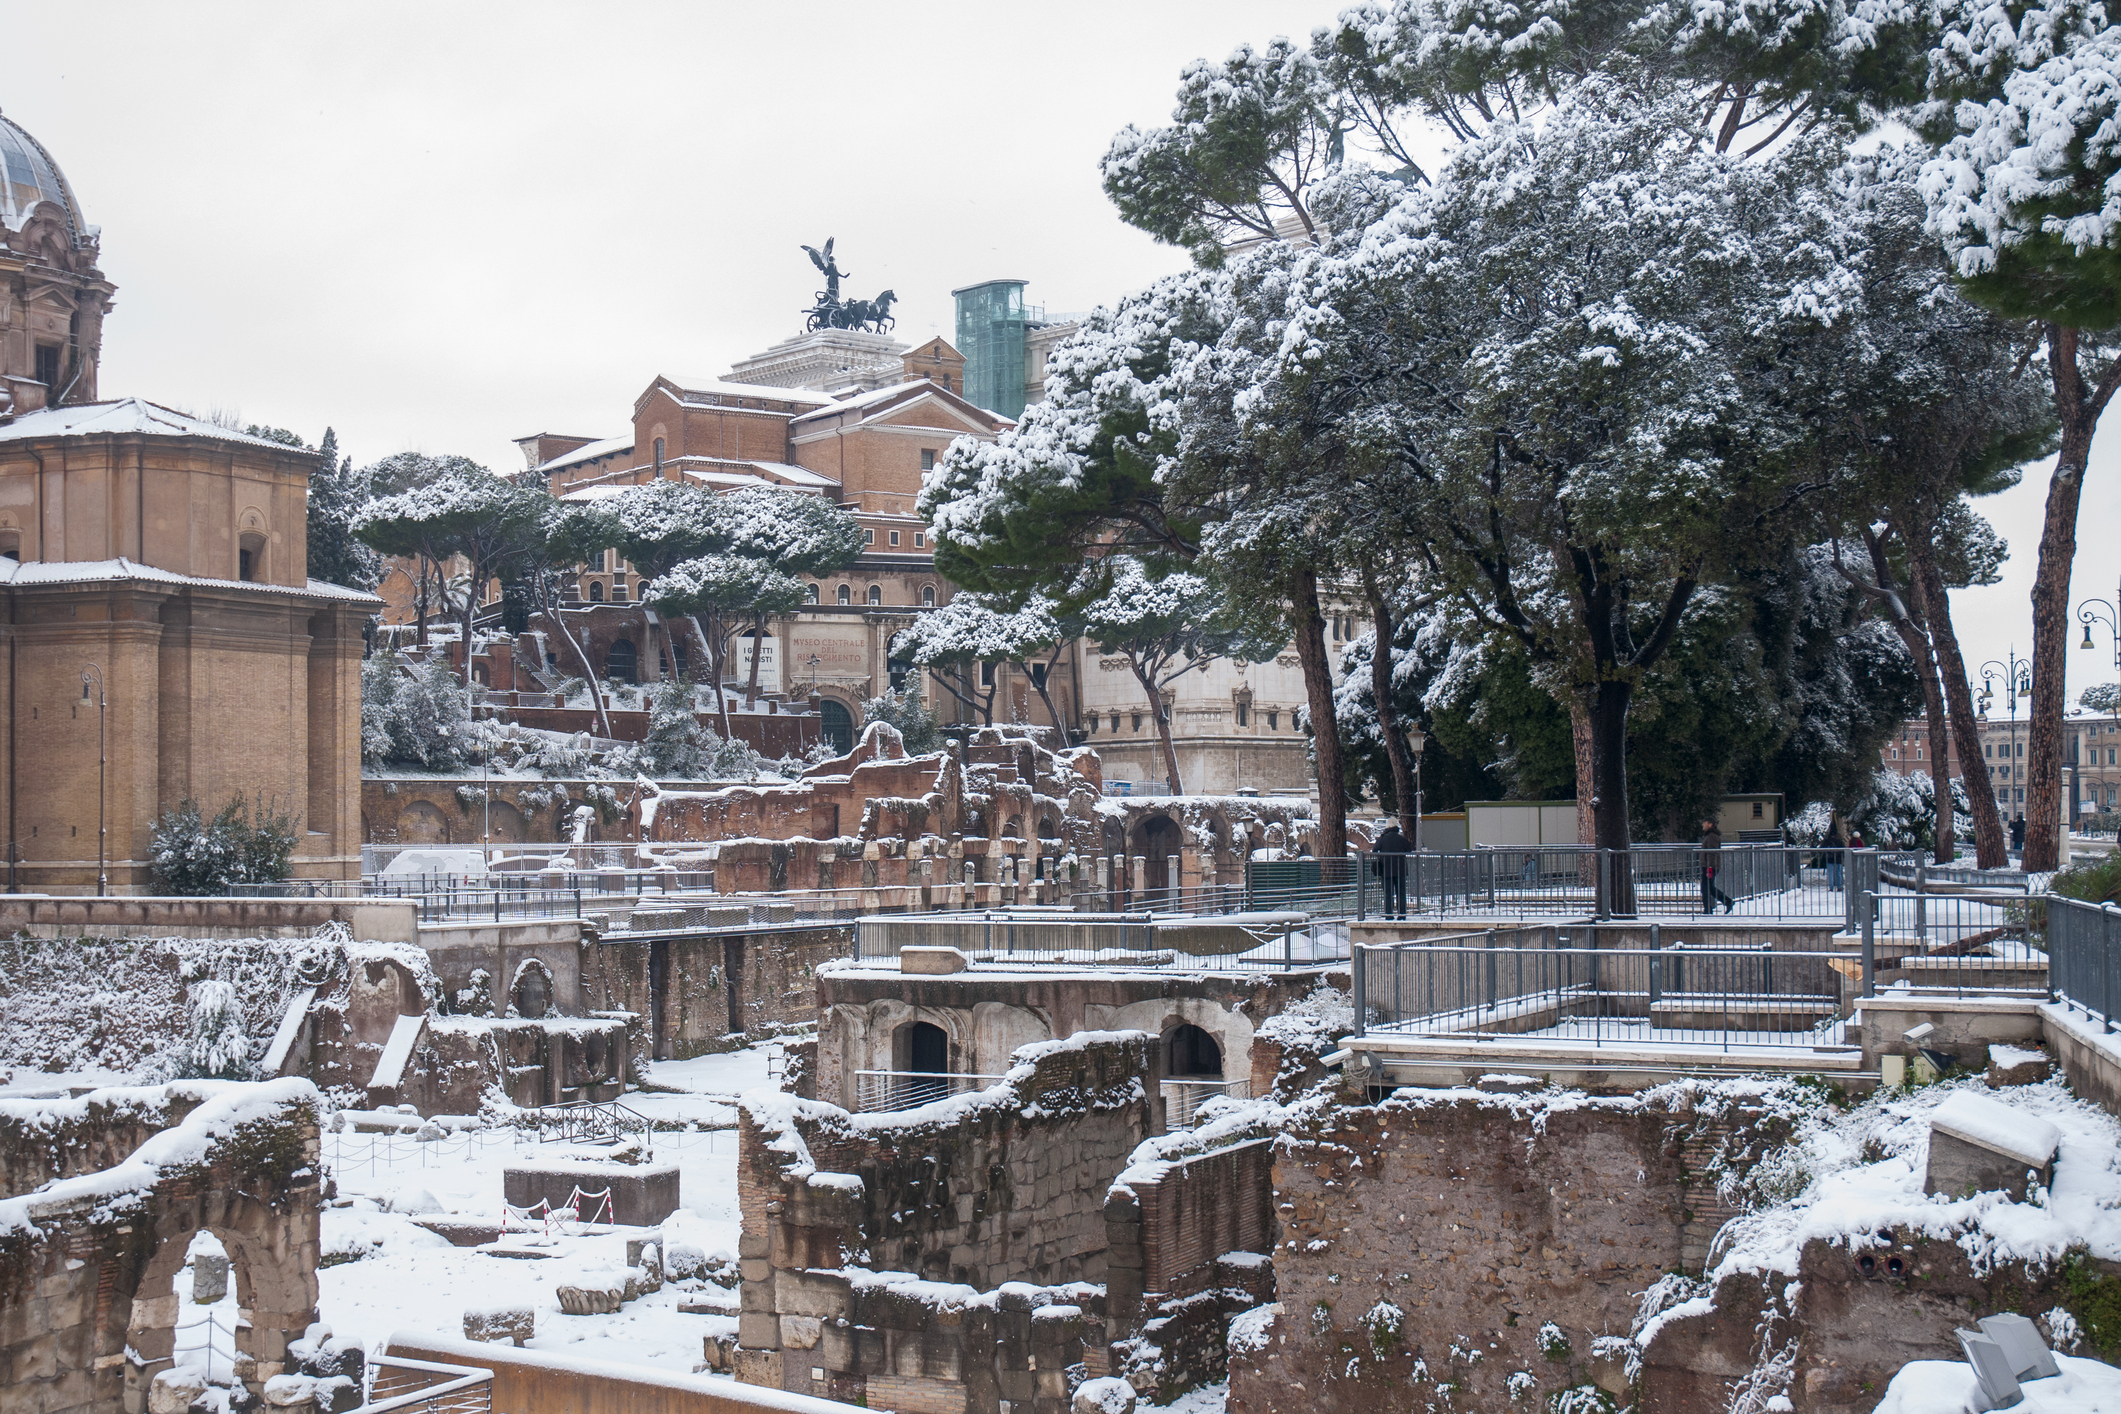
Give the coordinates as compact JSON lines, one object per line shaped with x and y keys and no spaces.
{"x":829,"y":312}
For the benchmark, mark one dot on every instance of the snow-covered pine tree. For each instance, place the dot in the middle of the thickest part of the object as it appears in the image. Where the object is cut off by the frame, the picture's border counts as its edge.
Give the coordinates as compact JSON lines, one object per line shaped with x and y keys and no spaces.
{"x":219,"y":1048}
{"x":2025,"y":190}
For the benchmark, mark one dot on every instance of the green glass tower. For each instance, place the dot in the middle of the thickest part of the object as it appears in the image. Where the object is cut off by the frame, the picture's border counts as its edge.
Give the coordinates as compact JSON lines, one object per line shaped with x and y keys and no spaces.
{"x":991,"y":321}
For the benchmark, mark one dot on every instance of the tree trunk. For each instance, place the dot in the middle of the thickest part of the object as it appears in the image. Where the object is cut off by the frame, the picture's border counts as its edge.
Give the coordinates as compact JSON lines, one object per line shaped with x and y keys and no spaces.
{"x":1381,"y":636}
{"x":2078,"y":410}
{"x":1586,"y":787}
{"x":1918,"y":643}
{"x":1039,"y":685}
{"x":1609,"y":778}
{"x":471,"y":608}
{"x":419,"y":604}
{"x":551,"y":611}
{"x":1163,"y":724}
{"x":758,"y":651}
{"x":1325,"y":726}
{"x":1989,"y":851}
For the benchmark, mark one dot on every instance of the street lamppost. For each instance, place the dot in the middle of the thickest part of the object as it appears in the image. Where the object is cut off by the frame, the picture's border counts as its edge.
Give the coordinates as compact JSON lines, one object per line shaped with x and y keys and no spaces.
{"x":91,"y":671}
{"x":2017,"y":675}
{"x":2099,"y":611}
{"x":1417,"y":739}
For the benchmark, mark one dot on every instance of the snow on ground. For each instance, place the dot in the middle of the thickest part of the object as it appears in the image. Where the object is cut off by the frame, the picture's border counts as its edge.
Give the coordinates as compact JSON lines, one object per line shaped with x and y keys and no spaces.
{"x":23,"y":1084}
{"x":1209,"y":1399}
{"x":1949,"y":1387}
{"x":1861,"y":1174}
{"x":412,"y":1279}
{"x":702,"y":1091}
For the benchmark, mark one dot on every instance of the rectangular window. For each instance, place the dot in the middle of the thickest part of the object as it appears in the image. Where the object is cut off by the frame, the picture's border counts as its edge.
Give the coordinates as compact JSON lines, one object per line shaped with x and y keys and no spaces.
{"x":2021,"y":748}
{"x":1273,"y":721}
{"x":1244,"y":713}
{"x":920,"y":538}
{"x":246,"y":564}
{"x":868,"y":537}
{"x":927,"y":459}
{"x":986,"y":675}
{"x":894,"y":537}
{"x":48,"y":366}
{"x":1987,"y":750}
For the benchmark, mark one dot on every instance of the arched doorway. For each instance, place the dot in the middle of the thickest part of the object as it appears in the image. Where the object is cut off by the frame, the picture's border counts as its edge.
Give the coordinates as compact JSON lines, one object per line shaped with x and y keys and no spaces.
{"x":924,"y":1049}
{"x":1158,"y":838}
{"x":1191,"y":1054}
{"x":837,"y":725}
{"x":620,"y":661}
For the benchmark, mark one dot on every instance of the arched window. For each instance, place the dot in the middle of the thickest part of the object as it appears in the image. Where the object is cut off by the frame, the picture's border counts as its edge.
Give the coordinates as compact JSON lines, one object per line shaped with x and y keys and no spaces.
{"x":596,"y":591}
{"x":810,"y":594}
{"x":836,"y":724}
{"x":620,"y":661}
{"x":846,"y":595}
{"x":1191,"y":1053}
{"x":659,"y":458}
{"x":250,"y":557}
{"x":927,"y":596}
{"x":876,"y":594}
{"x":10,"y":544}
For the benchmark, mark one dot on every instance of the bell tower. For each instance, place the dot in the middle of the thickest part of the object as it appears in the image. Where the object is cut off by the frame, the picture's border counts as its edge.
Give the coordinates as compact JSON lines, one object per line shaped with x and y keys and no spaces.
{"x":52,"y":295}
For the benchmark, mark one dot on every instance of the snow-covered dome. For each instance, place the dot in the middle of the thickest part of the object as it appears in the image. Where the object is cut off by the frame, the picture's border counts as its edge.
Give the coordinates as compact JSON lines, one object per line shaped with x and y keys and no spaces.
{"x":29,"y":176}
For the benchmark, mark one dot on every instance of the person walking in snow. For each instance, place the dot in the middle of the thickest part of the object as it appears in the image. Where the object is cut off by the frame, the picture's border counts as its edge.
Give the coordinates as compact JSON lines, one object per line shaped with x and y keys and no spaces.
{"x":1389,"y":858}
{"x":1711,"y":855}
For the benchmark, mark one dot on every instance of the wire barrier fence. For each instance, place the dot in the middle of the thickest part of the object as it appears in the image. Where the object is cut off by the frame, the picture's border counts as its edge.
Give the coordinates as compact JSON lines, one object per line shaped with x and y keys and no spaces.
{"x":2083,"y":950}
{"x":351,"y":1153}
{"x":889,"y":1091}
{"x":1183,"y":1098}
{"x":218,"y":1362}
{"x":425,"y":1387}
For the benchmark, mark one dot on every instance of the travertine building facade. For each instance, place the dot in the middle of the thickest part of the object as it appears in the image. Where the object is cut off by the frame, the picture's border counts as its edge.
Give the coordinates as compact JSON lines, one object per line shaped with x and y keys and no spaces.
{"x":166,"y":557}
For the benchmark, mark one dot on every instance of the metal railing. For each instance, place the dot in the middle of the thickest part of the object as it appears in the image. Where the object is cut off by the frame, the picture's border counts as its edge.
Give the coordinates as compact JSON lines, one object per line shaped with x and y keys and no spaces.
{"x":1561,"y":985}
{"x":1183,"y":1098}
{"x":591,"y":1122}
{"x":395,"y":1383}
{"x":2083,"y":951}
{"x":888,"y":1091}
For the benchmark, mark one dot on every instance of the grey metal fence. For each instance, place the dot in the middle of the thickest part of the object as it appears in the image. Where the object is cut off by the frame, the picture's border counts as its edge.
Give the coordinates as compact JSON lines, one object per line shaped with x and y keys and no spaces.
{"x":2083,"y":952}
{"x":1557,"y":982}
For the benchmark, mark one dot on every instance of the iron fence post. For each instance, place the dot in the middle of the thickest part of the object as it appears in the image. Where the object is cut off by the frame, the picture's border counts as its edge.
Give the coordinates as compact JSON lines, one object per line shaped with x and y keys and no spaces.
{"x":1870,"y":942}
{"x":1362,"y":890}
{"x":1922,"y":900}
{"x":1602,"y":886}
{"x":1359,"y":988}
{"x":2106,"y":968}
{"x":1487,"y":864}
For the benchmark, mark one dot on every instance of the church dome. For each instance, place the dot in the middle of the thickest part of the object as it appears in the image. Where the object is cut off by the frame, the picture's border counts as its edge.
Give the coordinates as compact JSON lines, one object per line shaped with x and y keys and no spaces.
{"x":29,"y":176}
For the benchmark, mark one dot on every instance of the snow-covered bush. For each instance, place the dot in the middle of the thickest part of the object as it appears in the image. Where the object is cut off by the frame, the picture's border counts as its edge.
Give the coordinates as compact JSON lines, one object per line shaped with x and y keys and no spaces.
{"x":902,"y":708}
{"x":196,"y":856}
{"x":416,"y":716}
{"x":220,"y":1050}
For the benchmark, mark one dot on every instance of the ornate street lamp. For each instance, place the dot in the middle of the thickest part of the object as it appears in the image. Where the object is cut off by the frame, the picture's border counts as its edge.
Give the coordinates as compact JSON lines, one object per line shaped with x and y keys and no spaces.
{"x":1417,"y":739}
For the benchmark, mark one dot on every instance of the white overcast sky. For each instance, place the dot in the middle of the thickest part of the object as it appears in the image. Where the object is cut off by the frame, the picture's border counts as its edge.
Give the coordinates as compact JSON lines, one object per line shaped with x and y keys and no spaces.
{"x":443,"y":227}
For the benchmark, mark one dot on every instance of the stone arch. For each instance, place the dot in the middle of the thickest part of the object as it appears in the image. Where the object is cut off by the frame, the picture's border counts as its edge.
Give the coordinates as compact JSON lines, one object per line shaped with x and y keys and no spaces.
{"x":504,"y":822}
{"x":1231,"y":1030}
{"x":1156,"y":837}
{"x":1192,"y":1052}
{"x":276,"y":1285}
{"x":422,"y":822}
{"x":877,"y":1048}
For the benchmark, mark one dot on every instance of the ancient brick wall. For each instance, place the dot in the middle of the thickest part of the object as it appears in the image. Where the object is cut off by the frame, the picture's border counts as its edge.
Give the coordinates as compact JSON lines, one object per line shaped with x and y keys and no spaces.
{"x":45,"y":1139}
{"x":910,"y":1225}
{"x":87,"y":1302}
{"x":1180,"y":1234}
{"x":713,"y":992}
{"x":1427,"y":1242}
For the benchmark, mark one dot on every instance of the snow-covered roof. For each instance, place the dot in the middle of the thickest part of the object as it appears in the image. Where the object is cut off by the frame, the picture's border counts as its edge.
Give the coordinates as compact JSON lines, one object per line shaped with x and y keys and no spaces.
{"x":800,"y":475}
{"x":874,"y":397}
{"x":588,"y":454}
{"x":23,"y":574}
{"x":724,"y":388}
{"x":123,"y":416}
{"x":598,"y":493}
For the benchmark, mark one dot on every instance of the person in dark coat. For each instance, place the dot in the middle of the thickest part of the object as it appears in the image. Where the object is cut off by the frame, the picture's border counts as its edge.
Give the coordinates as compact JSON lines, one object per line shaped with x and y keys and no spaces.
{"x":1711,"y":856}
{"x":1389,"y":858}
{"x":1835,"y":844}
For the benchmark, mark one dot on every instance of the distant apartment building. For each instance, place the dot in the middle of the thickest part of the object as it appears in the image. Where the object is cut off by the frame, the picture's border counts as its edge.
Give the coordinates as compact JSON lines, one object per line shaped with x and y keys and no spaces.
{"x":2091,"y":755}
